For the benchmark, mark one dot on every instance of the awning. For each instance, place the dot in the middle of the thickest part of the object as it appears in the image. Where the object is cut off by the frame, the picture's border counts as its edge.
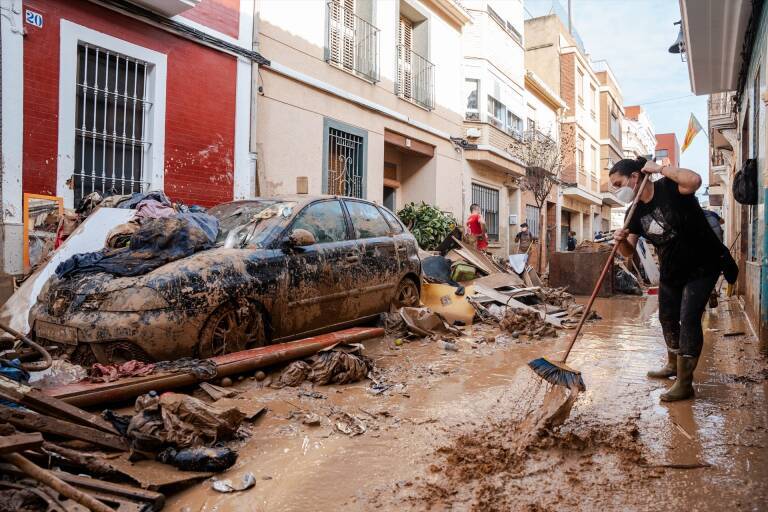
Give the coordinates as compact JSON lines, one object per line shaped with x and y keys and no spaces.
{"x":582,"y":195}
{"x":494,"y":159}
{"x":714,"y":35}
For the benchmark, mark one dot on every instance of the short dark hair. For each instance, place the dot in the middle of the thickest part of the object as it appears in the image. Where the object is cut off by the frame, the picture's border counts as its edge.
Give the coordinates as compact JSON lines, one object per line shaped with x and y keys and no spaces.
{"x":524,"y":225}
{"x":474,"y":206}
{"x":626,"y":166}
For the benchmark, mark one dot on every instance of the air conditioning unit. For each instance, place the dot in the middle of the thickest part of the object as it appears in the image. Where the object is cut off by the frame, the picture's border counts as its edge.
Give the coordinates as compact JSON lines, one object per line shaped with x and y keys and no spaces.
{"x":473,"y":133}
{"x":513,"y":220}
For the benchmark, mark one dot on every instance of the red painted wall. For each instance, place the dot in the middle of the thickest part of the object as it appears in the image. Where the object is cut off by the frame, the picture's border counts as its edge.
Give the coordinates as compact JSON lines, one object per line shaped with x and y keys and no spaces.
{"x":669,"y":142}
{"x":200,"y":103}
{"x":221,"y":15}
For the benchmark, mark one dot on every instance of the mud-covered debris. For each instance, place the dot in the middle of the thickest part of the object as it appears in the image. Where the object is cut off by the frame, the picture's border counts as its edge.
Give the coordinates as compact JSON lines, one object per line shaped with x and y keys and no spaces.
{"x":203,"y":369}
{"x":555,"y":296}
{"x":335,"y":366}
{"x":526,"y":322}
{"x":113,"y":372}
{"x":348,"y":424}
{"x":199,"y":458}
{"x":245,"y":483}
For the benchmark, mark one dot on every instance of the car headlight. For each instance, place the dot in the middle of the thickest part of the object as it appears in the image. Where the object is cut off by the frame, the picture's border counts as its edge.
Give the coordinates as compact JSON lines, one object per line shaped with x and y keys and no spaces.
{"x":131,"y":299}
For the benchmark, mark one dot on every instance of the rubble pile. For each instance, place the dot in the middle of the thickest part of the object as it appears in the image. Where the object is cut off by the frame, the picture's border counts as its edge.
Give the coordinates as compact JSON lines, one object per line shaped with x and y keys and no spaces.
{"x":555,"y":296}
{"x":525,"y":322}
{"x":590,"y":246}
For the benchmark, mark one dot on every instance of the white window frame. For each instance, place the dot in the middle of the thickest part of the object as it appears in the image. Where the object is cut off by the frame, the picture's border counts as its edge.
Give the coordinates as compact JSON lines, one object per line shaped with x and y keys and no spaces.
{"x":71,"y":36}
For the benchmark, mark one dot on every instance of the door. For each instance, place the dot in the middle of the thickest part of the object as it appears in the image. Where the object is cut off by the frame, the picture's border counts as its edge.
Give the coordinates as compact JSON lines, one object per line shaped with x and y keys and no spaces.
{"x":317,"y":278}
{"x":379,"y":264}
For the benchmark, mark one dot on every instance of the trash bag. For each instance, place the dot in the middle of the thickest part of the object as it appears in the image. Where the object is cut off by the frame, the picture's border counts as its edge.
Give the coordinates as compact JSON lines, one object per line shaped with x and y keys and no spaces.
{"x":157,"y":242}
{"x":437,"y":269}
{"x":199,"y":458}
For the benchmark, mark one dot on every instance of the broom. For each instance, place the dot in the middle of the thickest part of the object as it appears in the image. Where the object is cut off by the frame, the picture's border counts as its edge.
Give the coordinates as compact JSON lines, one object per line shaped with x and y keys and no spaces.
{"x":557,"y":372}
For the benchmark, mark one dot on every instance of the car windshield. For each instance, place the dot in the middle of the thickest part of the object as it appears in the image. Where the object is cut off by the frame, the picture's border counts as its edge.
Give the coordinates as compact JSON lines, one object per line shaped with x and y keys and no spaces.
{"x":249,"y":220}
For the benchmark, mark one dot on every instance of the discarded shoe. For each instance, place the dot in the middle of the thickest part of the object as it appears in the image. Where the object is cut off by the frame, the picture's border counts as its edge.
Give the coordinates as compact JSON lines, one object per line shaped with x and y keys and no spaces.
{"x":682,"y":389}
{"x":669,"y":370}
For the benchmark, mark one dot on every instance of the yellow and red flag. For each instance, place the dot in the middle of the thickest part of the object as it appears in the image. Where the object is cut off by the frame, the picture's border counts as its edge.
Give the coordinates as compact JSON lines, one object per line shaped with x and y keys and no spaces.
{"x":693,"y":129}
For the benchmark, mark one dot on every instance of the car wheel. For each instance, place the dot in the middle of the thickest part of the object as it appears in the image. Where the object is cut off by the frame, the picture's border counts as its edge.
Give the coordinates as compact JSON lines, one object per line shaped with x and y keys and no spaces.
{"x":407,"y":294}
{"x":232,"y":327}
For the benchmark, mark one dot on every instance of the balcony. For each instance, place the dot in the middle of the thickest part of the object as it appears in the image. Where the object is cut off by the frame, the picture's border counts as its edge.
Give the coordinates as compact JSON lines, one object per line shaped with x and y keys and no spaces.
{"x":352,"y":43}
{"x":415,"y":78}
{"x":721,"y":113}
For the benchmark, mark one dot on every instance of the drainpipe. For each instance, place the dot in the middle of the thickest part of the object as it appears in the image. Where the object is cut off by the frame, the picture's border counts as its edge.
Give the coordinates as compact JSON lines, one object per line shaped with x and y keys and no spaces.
{"x":763,"y":314}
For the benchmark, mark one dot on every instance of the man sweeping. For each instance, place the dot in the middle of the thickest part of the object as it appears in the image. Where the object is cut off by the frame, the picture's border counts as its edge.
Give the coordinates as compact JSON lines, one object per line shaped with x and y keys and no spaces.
{"x":691,"y":257}
{"x":524,"y":239}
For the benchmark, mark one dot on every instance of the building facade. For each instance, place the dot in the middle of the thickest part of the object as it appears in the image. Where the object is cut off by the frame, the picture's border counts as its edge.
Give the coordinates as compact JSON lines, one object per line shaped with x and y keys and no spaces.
{"x":638,"y":136}
{"x":107,"y":97}
{"x":560,"y":60}
{"x":611,"y":146}
{"x":727,"y":56}
{"x":667,"y":150}
{"x":361,"y":98}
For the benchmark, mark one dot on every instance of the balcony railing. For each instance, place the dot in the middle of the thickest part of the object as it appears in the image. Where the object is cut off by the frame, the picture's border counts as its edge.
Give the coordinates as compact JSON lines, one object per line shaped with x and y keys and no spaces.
{"x":720,"y":105}
{"x":352,"y":43}
{"x":415,"y":78}
{"x":717,"y":159}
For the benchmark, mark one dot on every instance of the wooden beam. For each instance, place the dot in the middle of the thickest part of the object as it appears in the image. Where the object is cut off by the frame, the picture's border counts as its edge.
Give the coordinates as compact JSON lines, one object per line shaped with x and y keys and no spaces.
{"x":50,"y":406}
{"x":36,"y":422}
{"x":20,"y":442}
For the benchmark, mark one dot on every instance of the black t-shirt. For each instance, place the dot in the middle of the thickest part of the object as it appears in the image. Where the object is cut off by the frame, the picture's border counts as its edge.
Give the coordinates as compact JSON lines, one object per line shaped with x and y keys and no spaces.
{"x":675,"y":224}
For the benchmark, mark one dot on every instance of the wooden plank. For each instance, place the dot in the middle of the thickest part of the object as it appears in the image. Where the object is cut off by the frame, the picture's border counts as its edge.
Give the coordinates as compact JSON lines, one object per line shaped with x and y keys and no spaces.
{"x":92,"y":484}
{"x":500,"y":280}
{"x":50,"y":406}
{"x":20,"y":442}
{"x":36,"y":422}
{"x":485,"y":261}
{"x":509,"y":301}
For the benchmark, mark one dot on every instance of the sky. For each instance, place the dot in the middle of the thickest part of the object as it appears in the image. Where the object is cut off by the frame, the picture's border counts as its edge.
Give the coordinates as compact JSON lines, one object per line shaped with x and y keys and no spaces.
{"x":634,"y":37}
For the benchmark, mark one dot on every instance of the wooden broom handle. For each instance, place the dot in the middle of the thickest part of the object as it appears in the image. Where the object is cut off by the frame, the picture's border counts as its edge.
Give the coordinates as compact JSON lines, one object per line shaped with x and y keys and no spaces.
{"x":607,"y":266}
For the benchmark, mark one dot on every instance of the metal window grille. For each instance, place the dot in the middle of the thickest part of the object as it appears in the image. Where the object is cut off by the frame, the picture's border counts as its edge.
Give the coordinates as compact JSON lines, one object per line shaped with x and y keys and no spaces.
{"x":415,"y":74}
{"x":352,"y":42}
{"x":110,"y":133}
{"x":488,"y":199}
{"x":533,"y":219}
{"x":345,"y":163}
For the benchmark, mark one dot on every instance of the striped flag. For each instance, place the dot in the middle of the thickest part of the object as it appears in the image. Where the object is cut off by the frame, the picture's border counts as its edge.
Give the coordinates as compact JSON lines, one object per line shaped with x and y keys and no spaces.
{"x":693,"y":129}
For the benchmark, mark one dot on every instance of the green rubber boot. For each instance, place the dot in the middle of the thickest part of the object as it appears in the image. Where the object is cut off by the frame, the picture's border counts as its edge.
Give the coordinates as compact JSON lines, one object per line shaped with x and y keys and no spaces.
{"x":669,"y":370}
{"x":683,"y":386}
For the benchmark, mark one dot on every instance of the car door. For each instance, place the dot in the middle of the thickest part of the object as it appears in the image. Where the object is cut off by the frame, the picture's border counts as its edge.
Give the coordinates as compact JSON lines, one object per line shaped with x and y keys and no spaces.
{"x":401,"y":241}
{"x":379,"y":272}
{"x":317,"y":292}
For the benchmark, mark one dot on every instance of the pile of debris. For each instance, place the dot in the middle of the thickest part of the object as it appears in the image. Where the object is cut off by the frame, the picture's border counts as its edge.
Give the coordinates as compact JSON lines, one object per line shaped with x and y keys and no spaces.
{"x":523,"y":322}
{"x":339,"y":365}
{"x":590,"y":246}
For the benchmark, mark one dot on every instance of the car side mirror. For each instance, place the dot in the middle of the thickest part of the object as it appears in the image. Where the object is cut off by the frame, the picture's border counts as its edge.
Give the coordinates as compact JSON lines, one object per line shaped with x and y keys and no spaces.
{"x":300,"y":238}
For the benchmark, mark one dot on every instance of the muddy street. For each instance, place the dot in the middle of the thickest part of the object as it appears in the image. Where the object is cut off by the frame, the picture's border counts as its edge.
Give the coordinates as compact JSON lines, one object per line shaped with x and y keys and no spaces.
{"x":441,"y":435}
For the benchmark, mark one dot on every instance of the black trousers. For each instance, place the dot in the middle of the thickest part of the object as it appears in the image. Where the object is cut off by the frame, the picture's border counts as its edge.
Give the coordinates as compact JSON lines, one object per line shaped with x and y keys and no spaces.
{"x":681,"y":306}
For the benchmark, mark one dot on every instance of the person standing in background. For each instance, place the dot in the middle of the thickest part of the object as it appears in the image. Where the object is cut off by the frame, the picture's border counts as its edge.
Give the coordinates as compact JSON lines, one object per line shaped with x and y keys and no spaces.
{"x":476,"y":227}
{"x":524,"y":239}
{"x":572,"y":241}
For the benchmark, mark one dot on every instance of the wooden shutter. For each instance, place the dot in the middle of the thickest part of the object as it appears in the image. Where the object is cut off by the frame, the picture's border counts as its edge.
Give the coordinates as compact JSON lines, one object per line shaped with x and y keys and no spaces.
{"x":404,"y":72}
{"x":341,"y":33}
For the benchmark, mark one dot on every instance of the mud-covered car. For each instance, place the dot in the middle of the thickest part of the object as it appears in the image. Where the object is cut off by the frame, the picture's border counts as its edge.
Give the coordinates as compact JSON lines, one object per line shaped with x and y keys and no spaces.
{"x":282,"y":267}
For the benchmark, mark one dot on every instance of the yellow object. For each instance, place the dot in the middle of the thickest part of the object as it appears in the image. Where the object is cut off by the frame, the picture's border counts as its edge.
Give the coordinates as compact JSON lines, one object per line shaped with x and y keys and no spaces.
{"x":441,"y":298}
{"x":693,"y":129}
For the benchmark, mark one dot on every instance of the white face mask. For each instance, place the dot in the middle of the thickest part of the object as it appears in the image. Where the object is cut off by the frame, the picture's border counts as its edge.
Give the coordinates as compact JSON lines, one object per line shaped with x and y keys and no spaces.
{"x":625,"y":194}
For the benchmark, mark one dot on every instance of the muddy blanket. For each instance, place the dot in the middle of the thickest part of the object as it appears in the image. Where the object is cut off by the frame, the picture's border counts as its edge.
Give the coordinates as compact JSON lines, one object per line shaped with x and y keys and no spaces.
{"x":328,"y":367}
{"x":181,"y":421}
{"x":155,"y":243}
{"x":112,"y":372}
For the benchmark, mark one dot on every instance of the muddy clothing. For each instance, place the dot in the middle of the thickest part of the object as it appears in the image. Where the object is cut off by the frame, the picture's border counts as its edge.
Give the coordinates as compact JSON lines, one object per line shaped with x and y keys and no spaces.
{"x":476,"y":230}
{"x":675,"y":224}
{"x":680,"y":310}
{"x":525,"y":239}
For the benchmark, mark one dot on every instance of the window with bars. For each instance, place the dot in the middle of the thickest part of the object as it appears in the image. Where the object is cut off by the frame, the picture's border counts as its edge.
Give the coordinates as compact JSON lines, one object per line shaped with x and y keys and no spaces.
{"x":488,"y":199}
{"x":533,"y":219}
{"x":110,"y":136}
{"x":345,"y":153}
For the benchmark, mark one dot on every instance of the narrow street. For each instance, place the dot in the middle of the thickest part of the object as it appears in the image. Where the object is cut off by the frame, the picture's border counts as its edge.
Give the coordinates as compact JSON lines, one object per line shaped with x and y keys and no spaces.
{"x":619,"y":450}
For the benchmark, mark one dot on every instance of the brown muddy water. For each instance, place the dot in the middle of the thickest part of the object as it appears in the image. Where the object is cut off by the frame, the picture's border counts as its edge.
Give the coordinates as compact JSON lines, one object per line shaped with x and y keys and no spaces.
{"x":451,"y":432}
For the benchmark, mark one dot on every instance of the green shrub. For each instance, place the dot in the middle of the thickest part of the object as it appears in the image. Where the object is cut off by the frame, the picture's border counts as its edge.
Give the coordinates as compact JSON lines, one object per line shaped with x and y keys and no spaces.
{"x":428,"y":224}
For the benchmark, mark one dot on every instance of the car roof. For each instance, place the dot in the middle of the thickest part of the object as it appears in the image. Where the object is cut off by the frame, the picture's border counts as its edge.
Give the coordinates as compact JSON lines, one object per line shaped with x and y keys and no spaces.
{"x":301,"y":199}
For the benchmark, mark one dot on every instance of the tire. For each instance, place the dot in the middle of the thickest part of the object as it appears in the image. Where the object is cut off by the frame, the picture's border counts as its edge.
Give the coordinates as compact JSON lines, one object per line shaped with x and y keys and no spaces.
{"x":232,"y":327}
{"x":406,"y":295}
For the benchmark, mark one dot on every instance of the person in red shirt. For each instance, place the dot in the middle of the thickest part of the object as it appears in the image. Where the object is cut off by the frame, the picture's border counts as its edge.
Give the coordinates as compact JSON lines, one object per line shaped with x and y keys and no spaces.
{"x":476,"y":227}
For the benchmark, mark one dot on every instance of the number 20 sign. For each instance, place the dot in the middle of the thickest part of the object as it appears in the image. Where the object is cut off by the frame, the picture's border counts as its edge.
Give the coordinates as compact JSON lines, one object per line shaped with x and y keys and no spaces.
{"x":34,"y":18}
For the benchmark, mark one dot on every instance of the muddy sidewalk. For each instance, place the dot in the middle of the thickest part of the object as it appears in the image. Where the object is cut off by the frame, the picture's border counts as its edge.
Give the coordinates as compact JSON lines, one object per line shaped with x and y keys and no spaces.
{"x":439,"y":432}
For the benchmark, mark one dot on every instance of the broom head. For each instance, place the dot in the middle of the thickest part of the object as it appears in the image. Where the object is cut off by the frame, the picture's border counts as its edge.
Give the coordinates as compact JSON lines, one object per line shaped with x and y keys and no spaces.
{"x":557,"y":373}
